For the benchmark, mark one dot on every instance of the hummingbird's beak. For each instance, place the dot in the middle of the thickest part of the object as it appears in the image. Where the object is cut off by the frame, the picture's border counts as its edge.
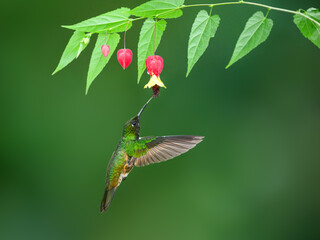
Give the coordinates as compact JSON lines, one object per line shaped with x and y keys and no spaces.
{"x":144,"y":106}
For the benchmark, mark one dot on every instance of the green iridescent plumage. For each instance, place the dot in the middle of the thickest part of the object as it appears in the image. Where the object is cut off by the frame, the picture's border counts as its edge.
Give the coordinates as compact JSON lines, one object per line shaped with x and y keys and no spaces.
{"x":138,"y":148}
{"x":135,"y":151}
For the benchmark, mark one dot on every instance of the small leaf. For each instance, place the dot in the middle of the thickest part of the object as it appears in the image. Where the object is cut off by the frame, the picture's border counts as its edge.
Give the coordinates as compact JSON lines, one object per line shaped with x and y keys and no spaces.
{"x":73,"y":49}
{"x":203,"y":28}
{"x":256,"y":31}
{"x":146,"y":39}
{"x":83,"y":44}
{"x":98,"y":61}
{"x":159,"y":8}
{"x":308,"y":28}
{"x":104,"y":22}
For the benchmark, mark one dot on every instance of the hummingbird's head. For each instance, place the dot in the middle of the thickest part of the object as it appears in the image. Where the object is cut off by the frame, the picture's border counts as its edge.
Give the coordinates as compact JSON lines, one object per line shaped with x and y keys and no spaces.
{"x":132,"y":127}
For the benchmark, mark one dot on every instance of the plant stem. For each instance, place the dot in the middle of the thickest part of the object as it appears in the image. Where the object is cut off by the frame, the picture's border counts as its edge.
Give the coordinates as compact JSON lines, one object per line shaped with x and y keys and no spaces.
{"x":255,"y":4}
{"x":211,"y":7}
{"x":238,"y":3}
{"x":136,"y":19}
{"x":125,"y":34}
{"x":154,"y":36}
{"x":106,"y":37}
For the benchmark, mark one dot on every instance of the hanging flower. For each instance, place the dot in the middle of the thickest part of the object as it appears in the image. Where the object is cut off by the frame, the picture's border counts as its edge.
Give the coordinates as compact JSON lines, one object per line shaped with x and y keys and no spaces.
{"x":154,"y":67}
{"x":124,"y":57}
{"x":105,"y":49}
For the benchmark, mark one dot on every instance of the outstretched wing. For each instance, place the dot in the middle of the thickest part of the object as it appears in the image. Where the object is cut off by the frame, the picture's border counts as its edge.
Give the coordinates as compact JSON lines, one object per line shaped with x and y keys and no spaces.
{"x":159,"y":149}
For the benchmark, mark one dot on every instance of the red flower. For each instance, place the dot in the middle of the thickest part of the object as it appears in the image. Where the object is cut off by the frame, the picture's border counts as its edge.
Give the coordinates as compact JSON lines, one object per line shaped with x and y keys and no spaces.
{"x":124,"y":57}
{"x":154,"y":67}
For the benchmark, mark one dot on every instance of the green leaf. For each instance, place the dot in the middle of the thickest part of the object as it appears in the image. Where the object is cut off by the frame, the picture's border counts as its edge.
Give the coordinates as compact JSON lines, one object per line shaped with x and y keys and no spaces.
{"x":98,"y":61}
{"x":308,"y":28}
{"x":203,"y":28}
{"x":104,"y":22}
{"x":314,"y":13}
{"x":146,"y":40}
{"x":77,"y":43}
{"x":121,"y":27}
{"x":256,"y":31}
{"x":159,"y":8}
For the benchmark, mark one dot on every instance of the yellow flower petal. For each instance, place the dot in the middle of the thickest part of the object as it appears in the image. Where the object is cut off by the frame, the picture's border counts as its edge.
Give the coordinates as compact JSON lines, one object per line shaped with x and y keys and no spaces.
{"x":154,"y":80}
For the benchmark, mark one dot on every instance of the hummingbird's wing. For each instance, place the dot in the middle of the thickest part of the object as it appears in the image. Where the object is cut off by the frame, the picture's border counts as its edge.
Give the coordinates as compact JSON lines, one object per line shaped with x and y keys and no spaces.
{"x":159,"y":149}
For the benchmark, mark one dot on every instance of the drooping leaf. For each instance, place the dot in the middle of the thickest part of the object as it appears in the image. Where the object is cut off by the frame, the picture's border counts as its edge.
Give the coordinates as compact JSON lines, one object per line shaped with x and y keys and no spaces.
{"x":105,"y":22}
{"x":159,"y":8}
{"x":98,"y":61}
{"x":77,"y":43}
{"x":146,"y":41}
{"x":308,"y":28}
{"x":203,"y":28}
{"x":256,"y":31}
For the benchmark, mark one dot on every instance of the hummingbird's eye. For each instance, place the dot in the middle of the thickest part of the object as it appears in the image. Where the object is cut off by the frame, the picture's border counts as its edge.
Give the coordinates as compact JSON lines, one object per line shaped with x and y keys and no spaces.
{"x":134,"y":124}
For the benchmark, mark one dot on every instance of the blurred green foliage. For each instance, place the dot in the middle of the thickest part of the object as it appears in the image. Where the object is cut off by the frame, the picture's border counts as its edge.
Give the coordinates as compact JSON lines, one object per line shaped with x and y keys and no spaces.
{"x":256,"y":175}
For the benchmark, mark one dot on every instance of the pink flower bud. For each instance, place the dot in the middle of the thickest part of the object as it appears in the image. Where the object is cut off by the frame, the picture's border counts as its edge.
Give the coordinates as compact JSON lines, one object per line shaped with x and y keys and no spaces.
{"x":105,"y":49}
{"x":124,"y":57}
{"x":154,"y":65}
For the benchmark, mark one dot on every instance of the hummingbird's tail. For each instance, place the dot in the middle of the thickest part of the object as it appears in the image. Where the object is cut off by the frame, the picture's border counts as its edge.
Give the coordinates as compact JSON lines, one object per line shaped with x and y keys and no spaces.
{"x":106,"y":200}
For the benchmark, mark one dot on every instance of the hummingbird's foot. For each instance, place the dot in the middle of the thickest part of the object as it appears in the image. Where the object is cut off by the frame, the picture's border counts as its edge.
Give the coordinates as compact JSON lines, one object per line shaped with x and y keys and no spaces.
{"x":127,"y":168}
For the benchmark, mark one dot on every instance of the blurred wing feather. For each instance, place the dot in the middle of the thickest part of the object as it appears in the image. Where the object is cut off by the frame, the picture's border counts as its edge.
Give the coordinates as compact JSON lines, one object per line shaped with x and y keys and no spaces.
{"x":164,"y":148}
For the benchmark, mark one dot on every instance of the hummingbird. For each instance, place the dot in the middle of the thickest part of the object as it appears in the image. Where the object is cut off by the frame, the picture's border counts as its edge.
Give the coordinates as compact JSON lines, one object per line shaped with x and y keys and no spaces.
{"x":135,"y":151}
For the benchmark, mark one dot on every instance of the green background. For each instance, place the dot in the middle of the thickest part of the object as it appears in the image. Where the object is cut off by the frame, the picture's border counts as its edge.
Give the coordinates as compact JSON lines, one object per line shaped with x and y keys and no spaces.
{"x":255,"y":176}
